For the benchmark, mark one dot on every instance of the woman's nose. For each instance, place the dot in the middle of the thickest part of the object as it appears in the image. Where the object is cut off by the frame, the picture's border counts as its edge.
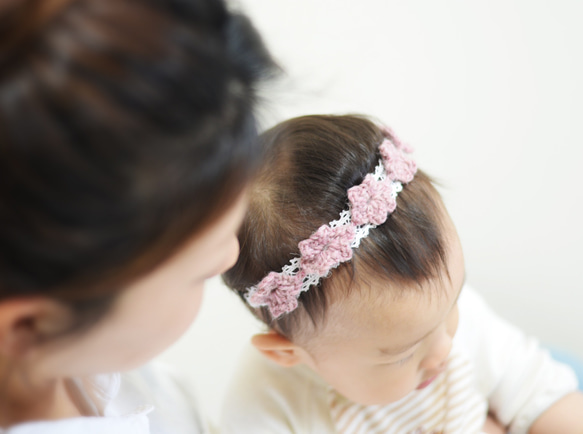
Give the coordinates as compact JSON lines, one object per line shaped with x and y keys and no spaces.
{"x":231,"y":256}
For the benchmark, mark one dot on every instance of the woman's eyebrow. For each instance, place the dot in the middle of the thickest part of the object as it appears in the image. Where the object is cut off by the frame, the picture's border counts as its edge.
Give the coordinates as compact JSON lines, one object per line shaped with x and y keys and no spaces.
{"x":398,"y":350}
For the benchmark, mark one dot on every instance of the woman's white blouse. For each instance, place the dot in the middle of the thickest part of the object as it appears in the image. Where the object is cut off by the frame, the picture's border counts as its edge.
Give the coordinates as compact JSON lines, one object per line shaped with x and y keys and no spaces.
{"x":151,"y":400}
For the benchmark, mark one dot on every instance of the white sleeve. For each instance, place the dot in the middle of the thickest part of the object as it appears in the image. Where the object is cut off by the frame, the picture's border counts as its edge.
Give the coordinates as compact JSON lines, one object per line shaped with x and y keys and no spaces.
{"x":265,"y":398}
{"x":518,"y":377}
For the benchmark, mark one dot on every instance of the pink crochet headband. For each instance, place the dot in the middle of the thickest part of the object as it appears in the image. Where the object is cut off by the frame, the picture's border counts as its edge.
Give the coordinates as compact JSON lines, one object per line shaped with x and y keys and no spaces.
{"x":370,"y":203}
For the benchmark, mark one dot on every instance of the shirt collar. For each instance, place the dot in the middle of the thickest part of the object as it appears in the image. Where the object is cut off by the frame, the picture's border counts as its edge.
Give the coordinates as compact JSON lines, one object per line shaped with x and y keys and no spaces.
{"x":99,"y":391}
{"x":133,"y":423}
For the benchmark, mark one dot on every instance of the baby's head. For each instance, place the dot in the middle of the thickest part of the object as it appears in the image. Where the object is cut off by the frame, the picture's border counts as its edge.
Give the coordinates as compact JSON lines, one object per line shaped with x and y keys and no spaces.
{"x":380,"y":324}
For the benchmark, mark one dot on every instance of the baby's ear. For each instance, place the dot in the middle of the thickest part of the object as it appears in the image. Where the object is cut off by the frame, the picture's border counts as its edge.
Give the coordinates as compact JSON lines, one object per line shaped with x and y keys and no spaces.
{"x":280,"y":350}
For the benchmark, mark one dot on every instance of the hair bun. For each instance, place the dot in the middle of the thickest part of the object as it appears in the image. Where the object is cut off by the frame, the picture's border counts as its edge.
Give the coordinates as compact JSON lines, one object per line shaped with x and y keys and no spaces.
{"x":246,"y":49}
{"x":22,"y":20}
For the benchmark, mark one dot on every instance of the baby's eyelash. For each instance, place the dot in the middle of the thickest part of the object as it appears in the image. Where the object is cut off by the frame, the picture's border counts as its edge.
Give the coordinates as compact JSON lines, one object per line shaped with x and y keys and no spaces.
{"x":405,"y":360}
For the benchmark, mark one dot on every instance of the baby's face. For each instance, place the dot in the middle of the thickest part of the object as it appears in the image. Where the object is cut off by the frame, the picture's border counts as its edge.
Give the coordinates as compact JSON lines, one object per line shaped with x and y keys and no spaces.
{"x":376,"y":348}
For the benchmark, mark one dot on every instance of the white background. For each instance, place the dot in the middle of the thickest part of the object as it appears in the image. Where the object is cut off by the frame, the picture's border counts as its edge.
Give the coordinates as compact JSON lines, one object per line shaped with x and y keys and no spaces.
{"x":491,"y":96}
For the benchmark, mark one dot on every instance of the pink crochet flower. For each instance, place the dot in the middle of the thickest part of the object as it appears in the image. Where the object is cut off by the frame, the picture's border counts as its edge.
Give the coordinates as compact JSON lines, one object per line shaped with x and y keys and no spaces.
{"x":371,"y":201}
{"x":399,"y":144}
{"x":326,"y":248}
{"x":279,"y":292}
{"x":399,"y":167}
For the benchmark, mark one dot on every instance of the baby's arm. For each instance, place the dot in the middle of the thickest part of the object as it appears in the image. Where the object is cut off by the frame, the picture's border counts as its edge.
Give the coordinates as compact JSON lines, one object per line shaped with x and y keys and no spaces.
{"x":565,"y":417}
{"x":519,"y":378}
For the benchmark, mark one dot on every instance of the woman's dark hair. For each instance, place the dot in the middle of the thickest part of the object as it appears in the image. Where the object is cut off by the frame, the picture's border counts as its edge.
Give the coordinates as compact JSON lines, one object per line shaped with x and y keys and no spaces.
{"x":312,"y":162}
{"x":126,"y":127}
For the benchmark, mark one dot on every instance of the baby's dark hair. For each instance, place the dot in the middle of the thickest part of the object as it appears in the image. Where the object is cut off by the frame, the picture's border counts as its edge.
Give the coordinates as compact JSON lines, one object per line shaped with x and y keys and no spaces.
{"x":126,"y":127}
{"x":312,"y":162}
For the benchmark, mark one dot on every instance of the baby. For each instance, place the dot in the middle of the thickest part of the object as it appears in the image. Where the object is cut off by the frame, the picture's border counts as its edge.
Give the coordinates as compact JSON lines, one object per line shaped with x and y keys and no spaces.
{"x":350,"y":258}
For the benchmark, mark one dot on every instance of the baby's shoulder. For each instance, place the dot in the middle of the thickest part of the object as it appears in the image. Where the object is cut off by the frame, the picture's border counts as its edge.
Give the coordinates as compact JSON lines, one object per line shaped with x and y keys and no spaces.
{"x":481,"y":332}
{"x":266,"y":397}
{"x":475,"y":315}
{"x":256,"y":375}
{"x":471,"y":300}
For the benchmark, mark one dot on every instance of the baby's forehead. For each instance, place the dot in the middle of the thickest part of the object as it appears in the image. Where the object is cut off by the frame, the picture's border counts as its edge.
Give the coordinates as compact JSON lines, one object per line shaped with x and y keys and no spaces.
{"x":380,"y":309}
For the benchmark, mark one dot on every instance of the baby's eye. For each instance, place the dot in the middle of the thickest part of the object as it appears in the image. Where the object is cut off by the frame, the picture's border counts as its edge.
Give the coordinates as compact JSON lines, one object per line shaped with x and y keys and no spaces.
{"x":403,"y":361}
{"x":399,"y":362}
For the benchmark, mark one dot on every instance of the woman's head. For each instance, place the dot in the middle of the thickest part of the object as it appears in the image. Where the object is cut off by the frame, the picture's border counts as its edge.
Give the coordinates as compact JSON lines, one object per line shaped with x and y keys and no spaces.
{"x":411,"y":259}
{"x":126,"y":132}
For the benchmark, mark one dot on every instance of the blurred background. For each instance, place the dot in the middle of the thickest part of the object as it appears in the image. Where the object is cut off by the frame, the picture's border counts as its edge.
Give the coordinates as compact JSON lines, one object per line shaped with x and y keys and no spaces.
{"x":490,"y":94}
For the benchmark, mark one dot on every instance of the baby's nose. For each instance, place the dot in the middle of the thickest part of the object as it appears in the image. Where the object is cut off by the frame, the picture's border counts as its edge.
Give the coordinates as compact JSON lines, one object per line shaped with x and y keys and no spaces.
{"x":436,"y":358}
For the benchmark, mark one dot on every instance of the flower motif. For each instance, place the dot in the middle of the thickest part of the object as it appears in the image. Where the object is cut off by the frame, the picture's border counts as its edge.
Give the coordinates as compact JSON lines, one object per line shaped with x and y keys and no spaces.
{"x":399,"y":167}
{"x":326,"y":248}
{"x":399,"y":144}
{"x":371,"y":201}
{"x":279,"y":292}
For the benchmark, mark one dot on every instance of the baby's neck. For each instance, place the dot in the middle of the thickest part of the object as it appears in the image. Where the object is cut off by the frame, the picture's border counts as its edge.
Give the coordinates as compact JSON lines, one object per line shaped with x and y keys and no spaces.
{"x":21,"y":400}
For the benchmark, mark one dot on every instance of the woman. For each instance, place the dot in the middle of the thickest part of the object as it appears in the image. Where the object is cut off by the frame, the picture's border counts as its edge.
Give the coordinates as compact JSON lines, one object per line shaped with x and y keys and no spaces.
{"x":127,"y":136}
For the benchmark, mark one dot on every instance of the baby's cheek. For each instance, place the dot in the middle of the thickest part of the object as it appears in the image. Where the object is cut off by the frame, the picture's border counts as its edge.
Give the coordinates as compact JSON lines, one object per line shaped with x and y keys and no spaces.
{"x":408,"y":383}
{"x":397,"y":386}
{"x":453,"y":321}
